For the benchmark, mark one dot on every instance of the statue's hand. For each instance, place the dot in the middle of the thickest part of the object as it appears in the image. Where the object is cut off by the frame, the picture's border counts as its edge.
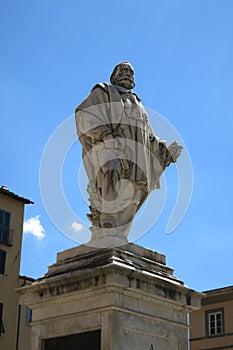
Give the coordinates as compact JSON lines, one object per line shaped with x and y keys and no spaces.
{"x":110,"y":142}
{"x":175,"y":150}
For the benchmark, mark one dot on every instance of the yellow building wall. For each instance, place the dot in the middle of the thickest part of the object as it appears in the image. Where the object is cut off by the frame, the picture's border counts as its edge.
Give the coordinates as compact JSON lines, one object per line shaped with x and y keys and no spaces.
{"x":10,"y":280}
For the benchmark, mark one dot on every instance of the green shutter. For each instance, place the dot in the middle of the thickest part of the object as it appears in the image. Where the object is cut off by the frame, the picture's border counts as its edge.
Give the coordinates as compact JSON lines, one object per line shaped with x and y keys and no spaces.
{"x":2,"y":261}
{"x":5,"y":226}
{"x":2,"y":330}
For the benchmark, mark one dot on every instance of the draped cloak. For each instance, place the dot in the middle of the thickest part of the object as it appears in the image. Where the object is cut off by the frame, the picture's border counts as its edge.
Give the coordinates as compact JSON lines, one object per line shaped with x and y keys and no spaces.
{"x":106,"y":112}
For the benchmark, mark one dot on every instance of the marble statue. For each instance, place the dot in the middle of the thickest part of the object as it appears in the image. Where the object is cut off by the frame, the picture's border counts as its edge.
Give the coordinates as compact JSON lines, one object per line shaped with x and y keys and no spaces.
{"x":123,"y":157}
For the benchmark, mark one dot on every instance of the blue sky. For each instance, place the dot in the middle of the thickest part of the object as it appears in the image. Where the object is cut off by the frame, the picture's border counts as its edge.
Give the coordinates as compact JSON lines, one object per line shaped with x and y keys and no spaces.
{"x":53,"y":52}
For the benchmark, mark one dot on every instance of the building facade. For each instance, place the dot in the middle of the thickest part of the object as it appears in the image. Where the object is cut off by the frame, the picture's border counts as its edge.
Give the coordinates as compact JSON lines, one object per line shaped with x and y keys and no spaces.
{"x":13,"y":317}
{"x":212,"y":325}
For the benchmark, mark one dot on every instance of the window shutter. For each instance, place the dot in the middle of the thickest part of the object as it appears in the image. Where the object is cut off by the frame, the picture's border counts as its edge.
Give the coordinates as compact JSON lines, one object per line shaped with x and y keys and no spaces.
{"x":5,"y":226}
{"x":6,"y":219}
{"x":2,"y":330}
{"x":2,"y":261}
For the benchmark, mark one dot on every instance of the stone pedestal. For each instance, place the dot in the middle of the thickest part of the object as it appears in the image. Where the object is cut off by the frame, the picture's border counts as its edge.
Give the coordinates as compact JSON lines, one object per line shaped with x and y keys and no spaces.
{"x":109,"y":299}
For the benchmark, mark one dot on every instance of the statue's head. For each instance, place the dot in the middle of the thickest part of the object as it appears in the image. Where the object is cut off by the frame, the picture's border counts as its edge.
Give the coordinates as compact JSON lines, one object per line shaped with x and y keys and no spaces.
{"x":123,"y":75}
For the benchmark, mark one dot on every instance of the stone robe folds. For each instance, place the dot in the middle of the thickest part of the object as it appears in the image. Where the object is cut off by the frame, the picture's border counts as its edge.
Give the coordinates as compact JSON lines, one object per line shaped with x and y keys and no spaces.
{"x":114,"y":112}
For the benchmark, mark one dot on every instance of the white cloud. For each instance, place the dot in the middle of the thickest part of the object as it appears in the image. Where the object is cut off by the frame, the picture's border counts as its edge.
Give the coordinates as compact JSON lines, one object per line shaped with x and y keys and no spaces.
{"x":76,"y":226}
{"x":33,"y":226}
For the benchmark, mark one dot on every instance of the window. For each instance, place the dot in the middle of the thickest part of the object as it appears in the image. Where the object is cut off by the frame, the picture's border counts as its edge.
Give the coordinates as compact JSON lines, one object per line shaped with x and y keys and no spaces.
{"x":2,"y":330}
{"x":2,"y":261}
{"x":215,"y":322}
{"x":4,"y":226}
{"x":28,"y":316}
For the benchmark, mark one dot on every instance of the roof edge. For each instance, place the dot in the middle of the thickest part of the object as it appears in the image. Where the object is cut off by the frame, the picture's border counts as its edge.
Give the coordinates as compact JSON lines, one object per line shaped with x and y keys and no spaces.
{"x":4,"y":190}
{"x":219,"y":290}
{"x":27,"y":278}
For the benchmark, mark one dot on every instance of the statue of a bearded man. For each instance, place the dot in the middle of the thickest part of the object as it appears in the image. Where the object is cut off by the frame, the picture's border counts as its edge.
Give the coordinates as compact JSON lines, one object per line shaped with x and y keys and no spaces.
{"x":123,"y":157}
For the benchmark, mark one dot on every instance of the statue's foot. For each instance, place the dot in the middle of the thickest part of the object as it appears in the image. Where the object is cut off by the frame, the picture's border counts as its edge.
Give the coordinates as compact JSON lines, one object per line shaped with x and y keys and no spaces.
{"x":107,"y":236}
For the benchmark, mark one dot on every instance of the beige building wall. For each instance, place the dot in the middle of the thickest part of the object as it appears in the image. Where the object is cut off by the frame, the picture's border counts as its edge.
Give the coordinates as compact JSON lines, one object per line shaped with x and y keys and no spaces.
{"x":216,"y":300}
{"x":24,"y":318}
{"x":9,"y":280}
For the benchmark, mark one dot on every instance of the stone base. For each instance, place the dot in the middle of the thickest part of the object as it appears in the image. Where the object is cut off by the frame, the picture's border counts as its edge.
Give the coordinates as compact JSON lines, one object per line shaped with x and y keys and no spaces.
{"x":127,"y":296}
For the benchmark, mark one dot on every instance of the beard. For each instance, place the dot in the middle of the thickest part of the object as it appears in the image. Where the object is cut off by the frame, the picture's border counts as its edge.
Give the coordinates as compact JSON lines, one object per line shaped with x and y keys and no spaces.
{"x":125,"y":81}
